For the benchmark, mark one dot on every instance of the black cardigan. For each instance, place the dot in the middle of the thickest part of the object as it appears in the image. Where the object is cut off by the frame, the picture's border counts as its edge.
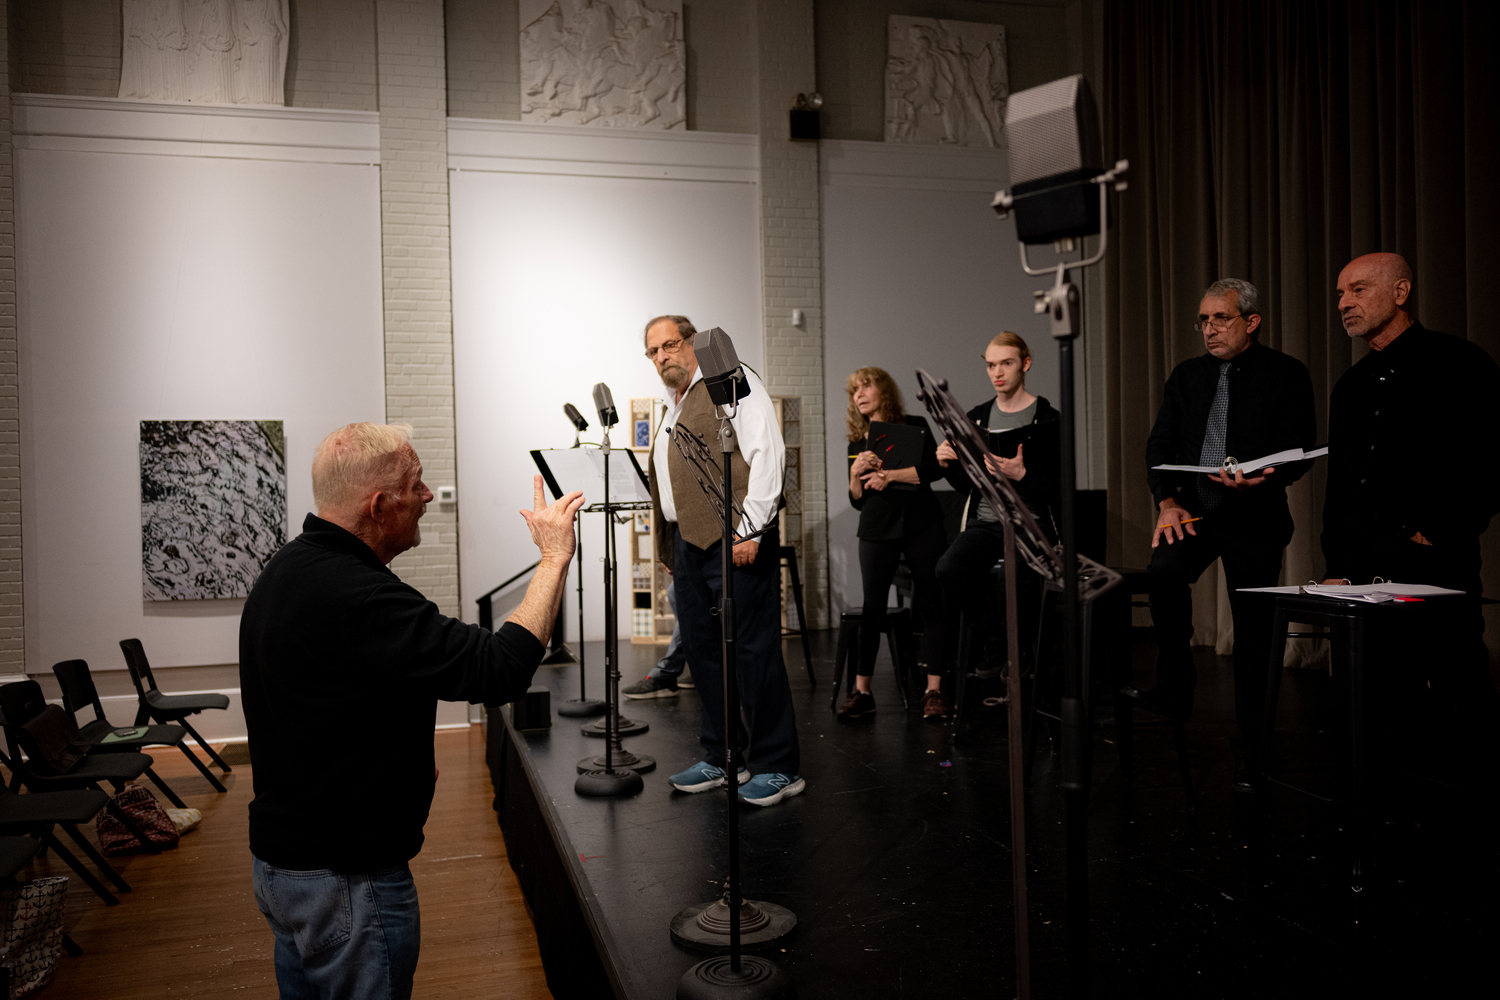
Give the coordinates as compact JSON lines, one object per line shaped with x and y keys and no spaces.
{"x":341,"y":669}
{"x":1039,"y":488}
{"x":889,"y":515}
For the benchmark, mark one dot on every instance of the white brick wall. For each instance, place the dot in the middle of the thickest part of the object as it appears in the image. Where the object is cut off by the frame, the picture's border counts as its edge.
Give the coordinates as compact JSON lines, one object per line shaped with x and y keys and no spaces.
{"x":792,"y":264}
{"x":331,"y":58}
{"x":416,"y":267}
{"x":12,"y":636}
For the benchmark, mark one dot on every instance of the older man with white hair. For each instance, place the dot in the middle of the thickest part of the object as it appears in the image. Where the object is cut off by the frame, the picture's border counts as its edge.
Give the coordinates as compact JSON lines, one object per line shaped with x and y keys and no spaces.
{"x":341,"y":669}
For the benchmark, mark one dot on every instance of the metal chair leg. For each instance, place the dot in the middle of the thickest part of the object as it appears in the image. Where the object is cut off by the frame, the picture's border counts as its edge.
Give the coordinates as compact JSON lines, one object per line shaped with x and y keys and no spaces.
{"x":812,"y":678}
{"x":166,"y":789}
{"x":218,"y":761}
{"x":70,"y":946}
{"x":132,"y":826}
{"x":839,"y":658}
{"x":83,"y":873}
{"x":212,"y":778}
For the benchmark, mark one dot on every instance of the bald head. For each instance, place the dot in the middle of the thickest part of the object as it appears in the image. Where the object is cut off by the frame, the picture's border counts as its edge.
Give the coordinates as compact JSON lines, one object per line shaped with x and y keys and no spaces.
{"x":1373,"y":294}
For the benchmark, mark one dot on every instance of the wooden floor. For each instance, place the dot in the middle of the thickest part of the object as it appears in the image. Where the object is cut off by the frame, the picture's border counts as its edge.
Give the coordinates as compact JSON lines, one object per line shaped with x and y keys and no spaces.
{"x":191,"y":926}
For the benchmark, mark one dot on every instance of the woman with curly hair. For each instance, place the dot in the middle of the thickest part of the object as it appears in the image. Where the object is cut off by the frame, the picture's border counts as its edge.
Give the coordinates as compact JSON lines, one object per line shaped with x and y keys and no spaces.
{"x":893,"y":520}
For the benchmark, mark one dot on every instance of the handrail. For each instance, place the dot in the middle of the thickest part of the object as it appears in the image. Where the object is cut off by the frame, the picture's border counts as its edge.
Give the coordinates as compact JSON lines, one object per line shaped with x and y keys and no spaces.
{"x":486,"y":616}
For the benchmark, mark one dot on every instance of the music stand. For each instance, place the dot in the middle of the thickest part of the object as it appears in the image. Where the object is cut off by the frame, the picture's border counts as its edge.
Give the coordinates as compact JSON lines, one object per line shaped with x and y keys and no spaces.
{"x":1047,"y":560}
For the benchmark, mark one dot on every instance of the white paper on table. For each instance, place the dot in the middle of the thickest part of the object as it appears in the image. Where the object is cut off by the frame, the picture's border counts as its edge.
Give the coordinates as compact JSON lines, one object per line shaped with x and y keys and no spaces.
{"x":1270,"y":590}
{"x":1370,"y":593}
{"x":1280,"y":458}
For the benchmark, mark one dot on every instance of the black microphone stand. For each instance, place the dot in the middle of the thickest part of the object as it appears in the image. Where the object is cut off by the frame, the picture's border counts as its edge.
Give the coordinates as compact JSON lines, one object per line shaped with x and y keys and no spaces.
{"x":583,"y":706}
{"x":722,"y":926}
{"x":609,"y":780}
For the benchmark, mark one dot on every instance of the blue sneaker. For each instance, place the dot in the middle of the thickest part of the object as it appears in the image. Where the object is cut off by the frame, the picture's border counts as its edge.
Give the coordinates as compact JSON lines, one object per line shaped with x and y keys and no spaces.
{"x":702,"y":776}
{"x":769,"y":789}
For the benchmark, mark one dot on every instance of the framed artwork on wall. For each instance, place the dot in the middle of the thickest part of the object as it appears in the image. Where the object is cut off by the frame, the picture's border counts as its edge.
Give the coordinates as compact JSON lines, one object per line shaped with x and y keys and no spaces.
{"x":213,"y":506}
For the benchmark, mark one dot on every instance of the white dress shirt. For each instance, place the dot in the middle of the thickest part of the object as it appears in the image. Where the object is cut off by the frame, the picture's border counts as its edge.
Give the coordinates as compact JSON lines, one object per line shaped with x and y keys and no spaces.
{"x":760,"y":443}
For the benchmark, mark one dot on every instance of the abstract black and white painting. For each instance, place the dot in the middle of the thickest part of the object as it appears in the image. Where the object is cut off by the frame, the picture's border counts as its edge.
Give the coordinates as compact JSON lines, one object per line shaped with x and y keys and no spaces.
{"x":213,"y":506}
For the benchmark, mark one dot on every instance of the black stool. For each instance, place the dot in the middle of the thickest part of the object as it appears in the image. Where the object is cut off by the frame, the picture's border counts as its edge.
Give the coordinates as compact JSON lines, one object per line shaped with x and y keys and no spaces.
{"x":898,"y":635}
{"x":789,"y":558}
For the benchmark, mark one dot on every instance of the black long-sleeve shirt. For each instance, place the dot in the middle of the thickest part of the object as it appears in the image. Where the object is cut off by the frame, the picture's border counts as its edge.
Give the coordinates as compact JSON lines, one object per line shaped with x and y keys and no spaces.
{"x":1040,"y":487}
{"x":1411,"y":448}
{"x":341,"y":669}
{"x":891,"y":514}
{"x":1270,"y":410}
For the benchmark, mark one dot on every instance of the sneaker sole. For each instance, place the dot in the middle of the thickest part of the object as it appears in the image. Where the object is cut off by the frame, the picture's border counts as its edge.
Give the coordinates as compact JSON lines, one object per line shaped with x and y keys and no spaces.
{"x":707,"y":785}
{"x":658,"y":693}
{"x":795,"y":788}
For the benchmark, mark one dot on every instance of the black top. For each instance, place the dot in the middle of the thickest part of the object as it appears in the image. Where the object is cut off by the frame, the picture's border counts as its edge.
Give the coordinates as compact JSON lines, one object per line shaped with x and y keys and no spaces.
{"x":1411,"y":447}
{"x":1270,"y":410}
{"x":889,"y":515}
{"x":341,"y":669}
{"x":1039,"y":488}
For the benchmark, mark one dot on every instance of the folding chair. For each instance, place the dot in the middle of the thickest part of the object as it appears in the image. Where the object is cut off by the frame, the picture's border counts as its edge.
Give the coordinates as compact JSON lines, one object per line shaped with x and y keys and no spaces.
{"x":22,"y":701}
{"x":169,"y":708}
{"x":36,"y":814}
{"x":78,"y":690}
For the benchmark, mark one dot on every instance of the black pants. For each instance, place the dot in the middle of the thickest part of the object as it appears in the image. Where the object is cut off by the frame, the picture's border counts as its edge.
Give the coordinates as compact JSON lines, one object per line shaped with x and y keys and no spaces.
{"x":964,"y":572}
{"x":1251,"y":548}
{"x":877,"y":568}
{"x":765,"y":695}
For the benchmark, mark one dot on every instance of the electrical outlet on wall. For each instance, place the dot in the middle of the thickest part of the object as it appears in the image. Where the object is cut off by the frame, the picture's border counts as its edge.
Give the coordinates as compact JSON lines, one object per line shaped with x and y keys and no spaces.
{"x":447,"y":494}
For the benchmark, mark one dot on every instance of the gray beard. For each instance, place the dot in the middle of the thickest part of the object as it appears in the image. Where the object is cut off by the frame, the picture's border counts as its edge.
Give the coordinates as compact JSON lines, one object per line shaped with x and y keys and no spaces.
{"x":675,"y":377}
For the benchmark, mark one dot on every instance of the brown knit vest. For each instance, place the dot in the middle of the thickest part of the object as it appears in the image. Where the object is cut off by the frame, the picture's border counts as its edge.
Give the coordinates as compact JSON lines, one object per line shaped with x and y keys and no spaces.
{"x":697,"y":520}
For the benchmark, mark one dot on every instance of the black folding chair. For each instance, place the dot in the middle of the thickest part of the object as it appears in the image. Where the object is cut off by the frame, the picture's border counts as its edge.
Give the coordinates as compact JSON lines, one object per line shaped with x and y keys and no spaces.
{"x":78,"y":690}
{"x":36,"y":814}
{"x":169,"y":708}
{"x":16,"y":853}
{"x":28,"y":765}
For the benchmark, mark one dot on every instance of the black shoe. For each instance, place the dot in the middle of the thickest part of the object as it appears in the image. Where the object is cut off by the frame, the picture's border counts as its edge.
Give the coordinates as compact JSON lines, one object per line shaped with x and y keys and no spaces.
{"x":1173,"y":703}
{"x":651,"y":687}
{"x":1246,"y":780}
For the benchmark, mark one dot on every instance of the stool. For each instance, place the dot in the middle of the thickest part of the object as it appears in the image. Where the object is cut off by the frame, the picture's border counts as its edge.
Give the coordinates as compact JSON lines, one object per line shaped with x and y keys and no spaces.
{"x":789,"y":559}
{"x":898,"y":638}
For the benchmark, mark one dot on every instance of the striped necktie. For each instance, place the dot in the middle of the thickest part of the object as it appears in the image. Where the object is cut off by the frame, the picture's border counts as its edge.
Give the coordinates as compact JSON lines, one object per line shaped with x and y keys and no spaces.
{"x":1214,"y":434}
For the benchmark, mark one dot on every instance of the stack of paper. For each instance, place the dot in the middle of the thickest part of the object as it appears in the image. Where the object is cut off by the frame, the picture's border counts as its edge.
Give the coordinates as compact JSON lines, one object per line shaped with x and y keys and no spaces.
{"x":1370,"y":593}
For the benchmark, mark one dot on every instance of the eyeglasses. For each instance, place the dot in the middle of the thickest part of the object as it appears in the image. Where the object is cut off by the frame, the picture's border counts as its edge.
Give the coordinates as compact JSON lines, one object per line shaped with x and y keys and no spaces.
{"x":669,"y":346}
{"x":1217,"y":322}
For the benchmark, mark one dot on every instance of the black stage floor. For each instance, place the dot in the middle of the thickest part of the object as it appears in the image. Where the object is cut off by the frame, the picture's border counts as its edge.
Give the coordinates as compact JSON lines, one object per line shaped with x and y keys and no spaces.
{"x":896,"y":859}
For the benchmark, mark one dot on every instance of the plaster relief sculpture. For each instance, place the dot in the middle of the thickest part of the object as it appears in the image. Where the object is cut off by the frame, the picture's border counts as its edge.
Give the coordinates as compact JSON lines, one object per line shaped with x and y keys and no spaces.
{"x":205,"y":51}
{"x":213,"y":506}
{"x":618,"y":63}
{"x":945,"y":82}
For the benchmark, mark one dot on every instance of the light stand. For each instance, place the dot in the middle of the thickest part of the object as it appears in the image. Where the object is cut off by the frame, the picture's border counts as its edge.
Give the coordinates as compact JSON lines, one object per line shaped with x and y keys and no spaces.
{"x":609,"y":780}
{"x":1060,"y":303}
{"x":732,"y":923}
{"x":583,"y":706}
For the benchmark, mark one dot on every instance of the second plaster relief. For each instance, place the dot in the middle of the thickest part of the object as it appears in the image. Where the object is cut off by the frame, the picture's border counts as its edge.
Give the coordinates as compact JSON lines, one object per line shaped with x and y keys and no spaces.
{"x":619,"y":63}
{"x":205,"y":51}
{"x":945,"y":82}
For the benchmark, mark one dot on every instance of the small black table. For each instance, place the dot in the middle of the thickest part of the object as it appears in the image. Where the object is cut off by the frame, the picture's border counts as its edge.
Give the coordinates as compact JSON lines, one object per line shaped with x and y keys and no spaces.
{"x":1361,"y":634}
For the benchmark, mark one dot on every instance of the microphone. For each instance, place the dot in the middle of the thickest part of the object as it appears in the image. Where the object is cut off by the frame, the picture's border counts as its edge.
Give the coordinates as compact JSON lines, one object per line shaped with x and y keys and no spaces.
{"x":721,"y":367}
{"x":571,"y":412}
{"x":604,"y":402}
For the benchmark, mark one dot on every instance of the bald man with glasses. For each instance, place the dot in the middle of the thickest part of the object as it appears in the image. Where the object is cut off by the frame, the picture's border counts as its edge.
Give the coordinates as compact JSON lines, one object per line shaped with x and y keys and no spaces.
{"x":1239,"y":399}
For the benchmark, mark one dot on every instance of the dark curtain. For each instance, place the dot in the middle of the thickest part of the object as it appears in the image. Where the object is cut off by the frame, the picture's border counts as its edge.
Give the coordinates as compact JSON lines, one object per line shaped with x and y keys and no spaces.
{"x":1275,"y":141}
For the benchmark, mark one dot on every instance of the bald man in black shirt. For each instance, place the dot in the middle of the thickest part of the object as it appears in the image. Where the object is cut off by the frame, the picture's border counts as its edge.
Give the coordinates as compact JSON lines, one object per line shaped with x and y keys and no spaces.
{"x":1413,"y":460}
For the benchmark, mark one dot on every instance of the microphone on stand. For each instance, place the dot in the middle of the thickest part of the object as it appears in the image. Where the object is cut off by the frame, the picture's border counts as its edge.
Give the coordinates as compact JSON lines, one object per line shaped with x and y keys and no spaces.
{"x":604,"y":402}
{"x":579,"y":423}
{"x":721,"y":367}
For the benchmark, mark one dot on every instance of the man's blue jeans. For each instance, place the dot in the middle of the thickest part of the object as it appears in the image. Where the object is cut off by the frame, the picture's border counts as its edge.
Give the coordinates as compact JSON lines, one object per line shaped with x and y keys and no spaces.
{"x":341,"y":936}
{"x":670,"y":666}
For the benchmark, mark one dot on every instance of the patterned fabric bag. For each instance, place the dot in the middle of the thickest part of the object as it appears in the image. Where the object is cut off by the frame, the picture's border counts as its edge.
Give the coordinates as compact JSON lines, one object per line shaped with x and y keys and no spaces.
{"x":140,"y":805}
{"x":32,"y":915}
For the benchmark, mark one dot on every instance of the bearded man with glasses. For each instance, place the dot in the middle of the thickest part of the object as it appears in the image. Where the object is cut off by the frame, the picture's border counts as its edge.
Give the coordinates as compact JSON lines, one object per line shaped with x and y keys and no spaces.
{"x":687,"y":533}
{"x":1240,"y":399}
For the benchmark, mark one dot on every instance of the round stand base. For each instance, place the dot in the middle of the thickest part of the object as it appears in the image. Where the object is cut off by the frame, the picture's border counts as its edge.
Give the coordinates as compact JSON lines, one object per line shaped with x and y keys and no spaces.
{"x":605,"y":784}
{"x":762,"y":925}
{"x":624,"y":760}
{"x":560,"y":655}
{"x":628,"y":727}
{"x":581,"y":708}
{"x":713,"y":978}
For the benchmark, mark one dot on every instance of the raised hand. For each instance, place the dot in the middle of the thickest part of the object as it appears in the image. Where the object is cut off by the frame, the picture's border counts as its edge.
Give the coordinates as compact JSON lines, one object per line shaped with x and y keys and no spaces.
{"x":552,"y":526}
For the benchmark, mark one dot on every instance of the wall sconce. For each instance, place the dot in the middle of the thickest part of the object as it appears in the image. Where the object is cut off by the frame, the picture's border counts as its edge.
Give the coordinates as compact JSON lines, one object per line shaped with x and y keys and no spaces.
{"x":804,"y":124}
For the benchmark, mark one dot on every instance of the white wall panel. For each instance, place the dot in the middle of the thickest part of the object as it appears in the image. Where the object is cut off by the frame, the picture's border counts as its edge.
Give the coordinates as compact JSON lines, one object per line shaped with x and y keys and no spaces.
{"x":917,"y":273}
{"x":565,"y":241}
{"x":219,"y":269}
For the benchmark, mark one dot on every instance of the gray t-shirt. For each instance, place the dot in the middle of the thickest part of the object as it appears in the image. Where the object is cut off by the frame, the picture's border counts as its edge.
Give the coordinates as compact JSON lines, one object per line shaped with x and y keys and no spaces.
{"x":1002,"y":421}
